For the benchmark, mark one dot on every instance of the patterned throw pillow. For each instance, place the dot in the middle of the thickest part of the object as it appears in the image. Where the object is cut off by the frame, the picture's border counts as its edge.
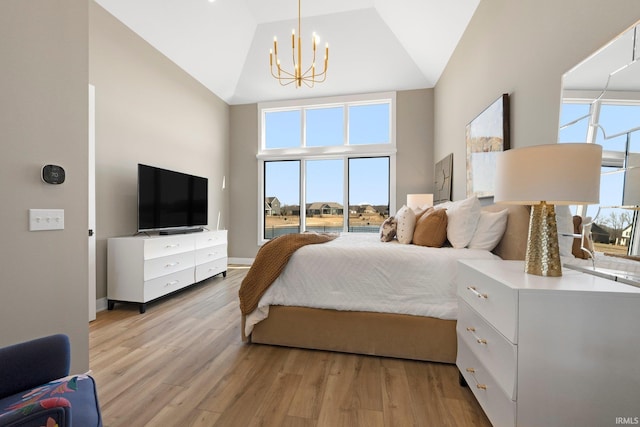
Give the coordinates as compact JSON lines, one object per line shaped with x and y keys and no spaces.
{"x":406,"y":218}
{"x":388,"y":229}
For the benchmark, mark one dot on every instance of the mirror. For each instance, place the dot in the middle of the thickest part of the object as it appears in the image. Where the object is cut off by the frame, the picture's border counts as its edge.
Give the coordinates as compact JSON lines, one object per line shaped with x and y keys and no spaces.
{"x":601,"y":104}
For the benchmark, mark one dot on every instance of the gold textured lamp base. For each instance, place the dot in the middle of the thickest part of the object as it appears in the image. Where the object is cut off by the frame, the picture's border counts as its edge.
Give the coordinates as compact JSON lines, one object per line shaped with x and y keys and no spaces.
{"x":543,"y":253}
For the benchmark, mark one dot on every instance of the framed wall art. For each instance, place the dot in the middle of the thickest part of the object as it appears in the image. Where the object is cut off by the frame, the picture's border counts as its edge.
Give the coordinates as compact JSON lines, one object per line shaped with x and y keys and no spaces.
{"x":442,"y":180}
{"x":486,"y":135}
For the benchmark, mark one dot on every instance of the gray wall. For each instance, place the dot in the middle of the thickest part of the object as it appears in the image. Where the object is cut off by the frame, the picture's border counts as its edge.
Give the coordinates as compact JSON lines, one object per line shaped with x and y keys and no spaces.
{"x":522,"y":48}
{"x":414,"y":163}
{"x":148,"y":111}
{"x":43,"y":119}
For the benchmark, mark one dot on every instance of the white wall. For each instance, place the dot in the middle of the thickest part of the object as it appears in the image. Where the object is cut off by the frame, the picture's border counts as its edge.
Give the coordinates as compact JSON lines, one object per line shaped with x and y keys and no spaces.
{"x":522,"y":48}
{"x":44,"y":119}
{"x":148,"y":111}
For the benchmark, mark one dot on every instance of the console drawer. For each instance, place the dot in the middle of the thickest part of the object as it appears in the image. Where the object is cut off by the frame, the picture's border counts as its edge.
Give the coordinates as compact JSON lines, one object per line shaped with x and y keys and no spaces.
{"x":500,"y":409}
{"x":211,"y":253}
{"x":204,"y":271}
{"x":494,"y":301}
{"x":167,"y":245}
{"x":490,"y":347}
{"x":164,"y":285}
{"x":166,"y":265}
{"x":210,"y":238}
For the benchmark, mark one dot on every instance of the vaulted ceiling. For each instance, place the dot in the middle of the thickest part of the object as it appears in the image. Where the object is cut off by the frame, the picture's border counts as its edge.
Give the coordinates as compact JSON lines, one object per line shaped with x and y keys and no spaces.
{"x":375,"y":45}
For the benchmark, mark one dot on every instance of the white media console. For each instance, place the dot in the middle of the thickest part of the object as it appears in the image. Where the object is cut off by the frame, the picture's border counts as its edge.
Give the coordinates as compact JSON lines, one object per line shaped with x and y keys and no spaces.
{"x":143,"y":268}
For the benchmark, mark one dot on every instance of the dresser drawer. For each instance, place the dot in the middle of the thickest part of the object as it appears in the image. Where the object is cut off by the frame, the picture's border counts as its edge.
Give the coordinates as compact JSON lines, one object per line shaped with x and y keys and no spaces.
{"x":167,"y":245}
{"x":494,"y":301}
{"x":157,"y":267}
{"x":211,"y":253}
{"x":164,"y":285}
{"x":204,"y":271}
{"x":210,"y":238}
{"x":500,"y":409}
{"x":490,"y":347}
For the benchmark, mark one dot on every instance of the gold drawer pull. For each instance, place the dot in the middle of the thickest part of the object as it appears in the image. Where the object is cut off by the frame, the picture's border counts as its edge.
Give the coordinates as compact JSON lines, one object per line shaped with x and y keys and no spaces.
{"x":476,"y":293}
{"x":479,"y":386}
{"x":479,"y":340}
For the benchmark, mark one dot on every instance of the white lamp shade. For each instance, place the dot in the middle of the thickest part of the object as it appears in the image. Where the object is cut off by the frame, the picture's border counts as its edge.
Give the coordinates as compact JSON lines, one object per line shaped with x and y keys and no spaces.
{"x":415,"y":201}
{"x":559,"y":174}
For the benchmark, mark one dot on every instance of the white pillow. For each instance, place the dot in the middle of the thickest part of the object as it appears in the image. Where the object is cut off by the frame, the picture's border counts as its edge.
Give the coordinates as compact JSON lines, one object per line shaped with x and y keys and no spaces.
{"x":564,"y":222}
{"x":406,"y":219}
{"x":462,"y":216}
{"x":491,"y":227}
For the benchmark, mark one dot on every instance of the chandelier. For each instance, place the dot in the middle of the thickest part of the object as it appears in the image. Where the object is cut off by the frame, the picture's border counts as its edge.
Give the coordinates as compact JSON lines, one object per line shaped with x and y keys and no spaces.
{"x":309,"y":76}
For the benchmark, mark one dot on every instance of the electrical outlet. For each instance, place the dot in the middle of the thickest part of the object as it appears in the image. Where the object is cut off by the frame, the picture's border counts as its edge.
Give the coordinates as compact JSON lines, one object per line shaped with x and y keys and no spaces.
{"x":46,"y":219}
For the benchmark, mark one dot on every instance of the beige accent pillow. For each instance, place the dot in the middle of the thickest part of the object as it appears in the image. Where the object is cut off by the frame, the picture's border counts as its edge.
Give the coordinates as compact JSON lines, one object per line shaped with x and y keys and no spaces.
{"x":406,"y":219}
{"x":576,"y":248}
{"x":431,"y":229}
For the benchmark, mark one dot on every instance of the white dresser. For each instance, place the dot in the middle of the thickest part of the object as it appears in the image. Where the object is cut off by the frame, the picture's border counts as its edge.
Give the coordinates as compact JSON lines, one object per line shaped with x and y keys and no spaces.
{"x":143,"y":268}
{"x":542,"y":351}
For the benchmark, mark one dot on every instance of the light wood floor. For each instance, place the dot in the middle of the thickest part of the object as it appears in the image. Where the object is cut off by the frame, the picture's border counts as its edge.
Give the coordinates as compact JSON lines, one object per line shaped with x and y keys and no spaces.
{"x":182,"y":363}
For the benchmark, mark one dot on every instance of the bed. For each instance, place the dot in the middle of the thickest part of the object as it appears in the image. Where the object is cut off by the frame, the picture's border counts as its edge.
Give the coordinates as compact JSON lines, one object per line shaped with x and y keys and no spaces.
{"x":422,"y":330}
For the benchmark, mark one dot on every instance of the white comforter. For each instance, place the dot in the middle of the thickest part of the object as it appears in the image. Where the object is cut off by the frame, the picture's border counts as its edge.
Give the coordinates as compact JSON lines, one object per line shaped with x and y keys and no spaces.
{"x":357,"y":272}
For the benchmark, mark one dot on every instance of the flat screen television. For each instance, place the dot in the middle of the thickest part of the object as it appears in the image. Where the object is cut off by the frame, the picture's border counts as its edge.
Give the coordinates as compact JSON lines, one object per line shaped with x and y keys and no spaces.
{"x":170,"y":201}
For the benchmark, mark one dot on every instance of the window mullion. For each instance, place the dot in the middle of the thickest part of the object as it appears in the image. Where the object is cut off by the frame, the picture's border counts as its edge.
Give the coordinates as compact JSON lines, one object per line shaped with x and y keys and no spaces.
{"x":303,"y":196}
{"x":303,"y":127}
{"x":345,"y":191}
{"x":346,"y":125}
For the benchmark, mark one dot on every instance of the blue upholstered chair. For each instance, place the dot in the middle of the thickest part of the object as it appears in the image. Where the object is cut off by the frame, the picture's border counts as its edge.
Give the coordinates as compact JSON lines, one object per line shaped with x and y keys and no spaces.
{"x":36,"y":391}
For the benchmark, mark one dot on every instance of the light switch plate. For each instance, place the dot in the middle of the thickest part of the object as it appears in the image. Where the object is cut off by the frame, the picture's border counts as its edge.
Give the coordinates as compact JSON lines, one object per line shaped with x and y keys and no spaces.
{"x":46,"y":219}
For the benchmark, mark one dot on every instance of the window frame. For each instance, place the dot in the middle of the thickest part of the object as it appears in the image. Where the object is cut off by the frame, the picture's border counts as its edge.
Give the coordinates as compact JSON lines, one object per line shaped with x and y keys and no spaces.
{"x":344,"y":152}
{"x":610,"y":158}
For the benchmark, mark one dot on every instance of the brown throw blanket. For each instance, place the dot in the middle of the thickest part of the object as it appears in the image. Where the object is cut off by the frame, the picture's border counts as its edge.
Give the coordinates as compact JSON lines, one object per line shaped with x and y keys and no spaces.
{"x":269,"y":263}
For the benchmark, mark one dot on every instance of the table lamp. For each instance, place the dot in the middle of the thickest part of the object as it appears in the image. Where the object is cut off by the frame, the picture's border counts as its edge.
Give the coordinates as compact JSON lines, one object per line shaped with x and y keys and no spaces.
{"x":415,"y":201}
{"x":544,"y":176}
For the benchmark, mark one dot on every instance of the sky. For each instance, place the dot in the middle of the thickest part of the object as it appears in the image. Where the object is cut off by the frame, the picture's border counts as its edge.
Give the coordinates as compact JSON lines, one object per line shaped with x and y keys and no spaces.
{"x":324,"y":177}
{"x":613,"y":119}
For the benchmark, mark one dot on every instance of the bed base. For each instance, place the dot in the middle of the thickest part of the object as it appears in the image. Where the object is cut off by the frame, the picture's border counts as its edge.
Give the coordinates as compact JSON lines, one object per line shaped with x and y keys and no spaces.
{"x":379,"y":334}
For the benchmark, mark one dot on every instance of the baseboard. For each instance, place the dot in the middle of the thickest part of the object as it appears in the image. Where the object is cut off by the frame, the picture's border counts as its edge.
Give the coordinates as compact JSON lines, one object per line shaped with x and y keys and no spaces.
{"x":241,"y":261}
{"x":101,"y":304}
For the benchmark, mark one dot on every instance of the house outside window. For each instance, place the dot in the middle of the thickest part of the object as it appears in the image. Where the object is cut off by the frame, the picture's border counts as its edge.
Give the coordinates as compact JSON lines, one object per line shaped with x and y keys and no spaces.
{"x":335,"y":157}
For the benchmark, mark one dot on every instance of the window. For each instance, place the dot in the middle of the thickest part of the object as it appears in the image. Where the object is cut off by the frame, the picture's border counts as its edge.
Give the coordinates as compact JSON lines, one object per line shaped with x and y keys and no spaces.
{"x":326,"y":165}
{"x":616,"y":126}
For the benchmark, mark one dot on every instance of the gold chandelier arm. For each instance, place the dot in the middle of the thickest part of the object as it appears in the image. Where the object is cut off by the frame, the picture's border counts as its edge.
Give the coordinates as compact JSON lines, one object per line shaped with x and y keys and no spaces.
{"x":307,"y":77}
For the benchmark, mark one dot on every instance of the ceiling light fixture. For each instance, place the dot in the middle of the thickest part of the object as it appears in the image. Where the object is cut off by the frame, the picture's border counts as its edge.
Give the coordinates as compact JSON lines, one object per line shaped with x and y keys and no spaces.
{"x":309,"y":77}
